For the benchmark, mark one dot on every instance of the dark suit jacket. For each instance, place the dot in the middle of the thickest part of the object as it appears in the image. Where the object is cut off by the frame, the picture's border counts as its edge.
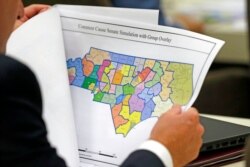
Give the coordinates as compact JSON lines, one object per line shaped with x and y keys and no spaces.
{"x":23,"y":141}
{"x":142,"y":158}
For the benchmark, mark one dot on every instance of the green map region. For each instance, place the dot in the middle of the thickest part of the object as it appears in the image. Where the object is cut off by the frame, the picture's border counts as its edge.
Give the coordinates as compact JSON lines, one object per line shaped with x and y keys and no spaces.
{"x":135,"y":88}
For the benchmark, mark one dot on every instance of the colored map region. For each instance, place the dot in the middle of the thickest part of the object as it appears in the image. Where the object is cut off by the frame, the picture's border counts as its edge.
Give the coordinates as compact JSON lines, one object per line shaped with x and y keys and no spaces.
{"x":135,"y":88}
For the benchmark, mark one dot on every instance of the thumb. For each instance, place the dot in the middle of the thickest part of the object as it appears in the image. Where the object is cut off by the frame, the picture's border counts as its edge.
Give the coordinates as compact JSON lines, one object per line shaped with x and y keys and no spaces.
{"x":176,"y":109}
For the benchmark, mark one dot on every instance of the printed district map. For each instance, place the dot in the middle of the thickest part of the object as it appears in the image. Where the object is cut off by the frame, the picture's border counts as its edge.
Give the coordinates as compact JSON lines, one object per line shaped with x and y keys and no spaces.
{"x":135,"y":88}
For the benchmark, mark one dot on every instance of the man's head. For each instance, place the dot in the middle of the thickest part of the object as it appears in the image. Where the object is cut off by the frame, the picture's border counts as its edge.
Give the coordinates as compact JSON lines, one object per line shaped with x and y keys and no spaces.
{"x":9,"y":11}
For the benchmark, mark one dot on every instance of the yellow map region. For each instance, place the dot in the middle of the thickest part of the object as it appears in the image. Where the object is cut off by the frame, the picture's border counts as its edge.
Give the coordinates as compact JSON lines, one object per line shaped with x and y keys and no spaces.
{"x":182,"y":84}
{"x":133,"y":119}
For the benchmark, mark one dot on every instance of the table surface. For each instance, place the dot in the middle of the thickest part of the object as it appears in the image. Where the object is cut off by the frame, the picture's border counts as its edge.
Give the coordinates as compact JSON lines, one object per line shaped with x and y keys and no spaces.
{"x":236,"y":120}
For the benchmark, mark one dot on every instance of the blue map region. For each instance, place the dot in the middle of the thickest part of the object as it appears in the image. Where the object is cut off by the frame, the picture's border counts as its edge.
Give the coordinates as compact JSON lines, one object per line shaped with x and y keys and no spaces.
{"x":123,"y":59}
{"x":120,"y":98}
{"x":155,"y":90}
{"x":145,"y":95}
{"x":148,"y":109}
{"x":77,"y":64}
{"x":78,"y":81}
{"x":97,"y":85}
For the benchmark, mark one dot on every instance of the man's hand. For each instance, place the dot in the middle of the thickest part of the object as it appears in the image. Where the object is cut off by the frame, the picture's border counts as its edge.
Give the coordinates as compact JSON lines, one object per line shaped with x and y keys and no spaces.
{"x":30,"y":12}
{"x":181,"y":133}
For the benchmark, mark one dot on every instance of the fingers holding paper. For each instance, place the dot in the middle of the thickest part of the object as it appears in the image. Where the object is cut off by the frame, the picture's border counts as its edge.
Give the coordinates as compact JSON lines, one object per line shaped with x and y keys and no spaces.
{"x":181,"y":133}
{"x":29,"y":12}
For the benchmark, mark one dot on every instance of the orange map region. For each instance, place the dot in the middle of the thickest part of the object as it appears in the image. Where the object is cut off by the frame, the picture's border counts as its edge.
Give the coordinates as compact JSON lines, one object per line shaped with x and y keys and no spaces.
{"x":143,"y":75}
{"x":118,"y":119}
{"x":88,"y":67}
{"x":117,"y":78}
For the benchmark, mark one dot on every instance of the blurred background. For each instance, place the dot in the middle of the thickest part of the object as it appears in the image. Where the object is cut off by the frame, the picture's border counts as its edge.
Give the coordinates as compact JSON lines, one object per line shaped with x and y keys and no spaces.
{"x":224,"y":19}
{"x":226,"y":90}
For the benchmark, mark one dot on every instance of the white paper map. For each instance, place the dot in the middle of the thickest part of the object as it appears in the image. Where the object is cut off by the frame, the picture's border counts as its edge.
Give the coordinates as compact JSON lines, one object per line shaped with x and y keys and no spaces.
{"x":124,"y":75}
